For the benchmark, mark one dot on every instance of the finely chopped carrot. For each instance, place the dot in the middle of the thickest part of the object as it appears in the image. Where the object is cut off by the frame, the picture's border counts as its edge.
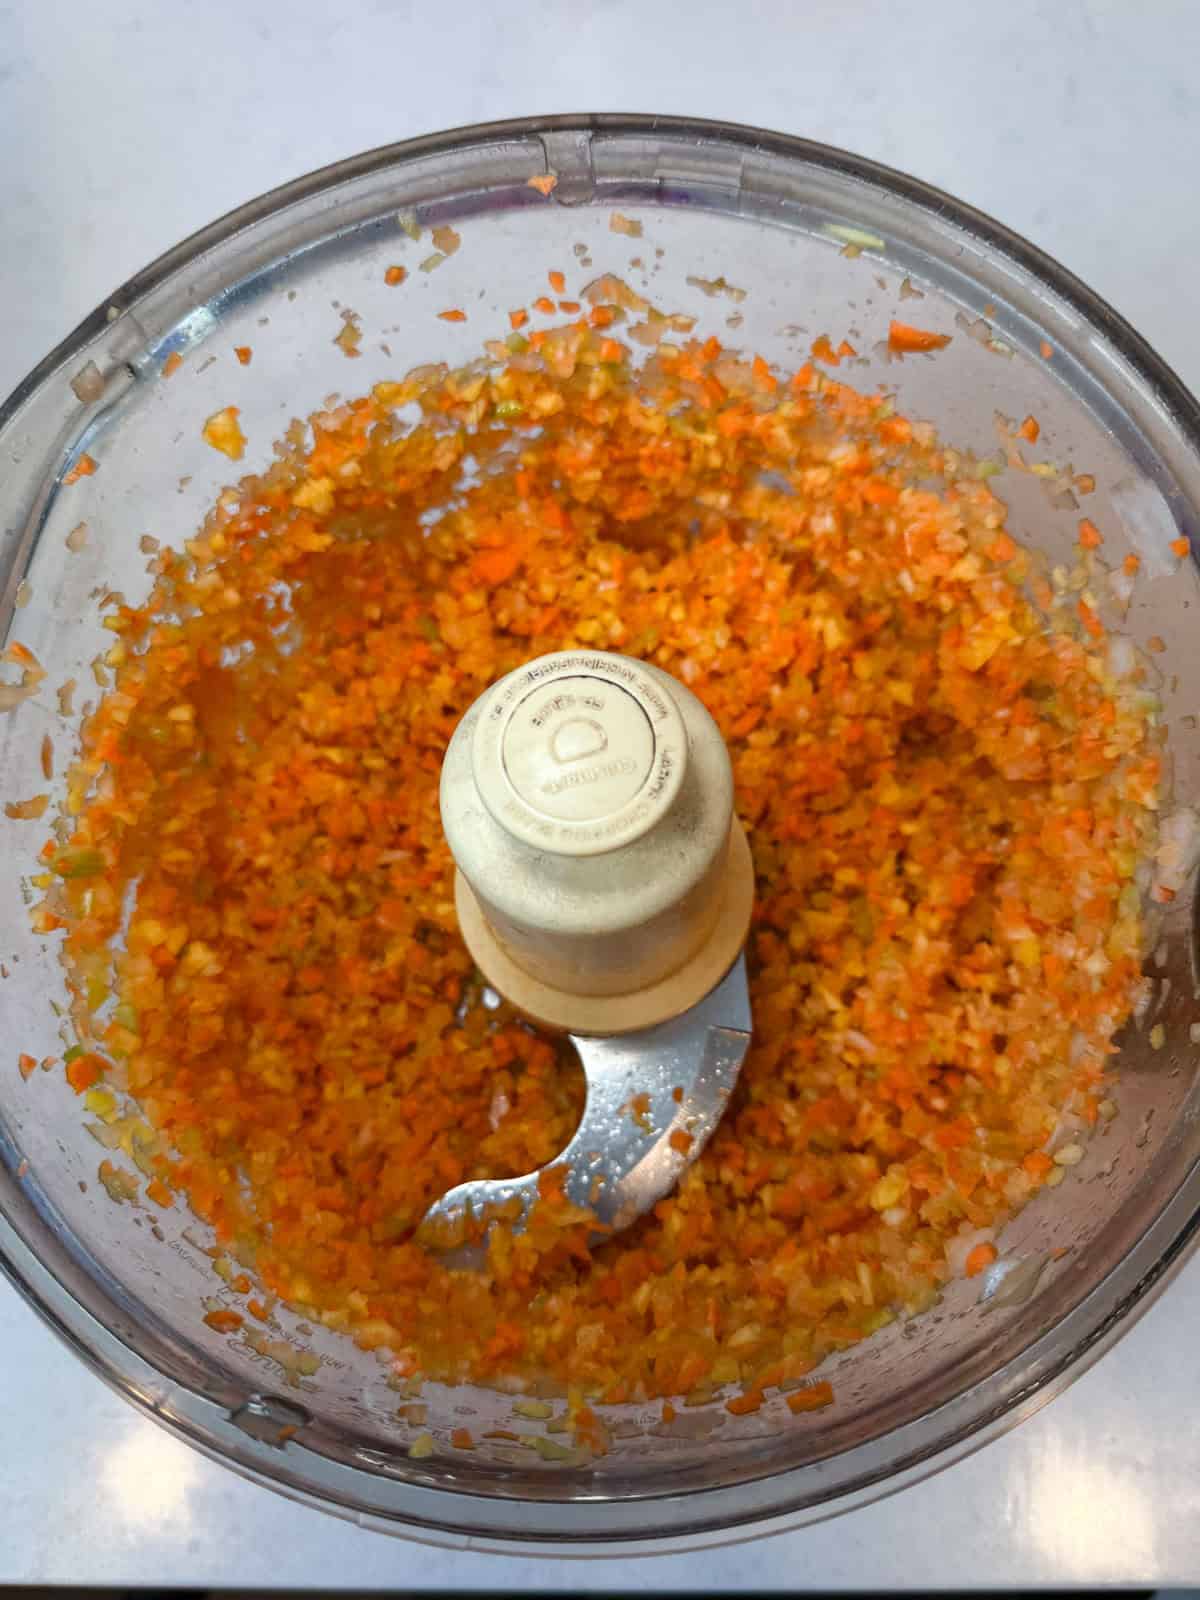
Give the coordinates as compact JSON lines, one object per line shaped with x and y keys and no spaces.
{"x":83,"y":468}
{"x":907,"y":340}
{"x":813,"y":1398}
{"x":946,"y":793}
{"x":224,"y":1321}
{"x":979,"y":1259}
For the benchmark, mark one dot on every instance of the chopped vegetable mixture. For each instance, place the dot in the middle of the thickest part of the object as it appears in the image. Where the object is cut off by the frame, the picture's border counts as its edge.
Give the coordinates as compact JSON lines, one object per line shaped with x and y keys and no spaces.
{"x":947,"y":798}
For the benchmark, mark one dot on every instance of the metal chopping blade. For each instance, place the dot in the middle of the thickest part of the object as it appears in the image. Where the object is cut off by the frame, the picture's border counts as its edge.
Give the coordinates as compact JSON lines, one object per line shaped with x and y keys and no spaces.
{"x":641,"y":1089}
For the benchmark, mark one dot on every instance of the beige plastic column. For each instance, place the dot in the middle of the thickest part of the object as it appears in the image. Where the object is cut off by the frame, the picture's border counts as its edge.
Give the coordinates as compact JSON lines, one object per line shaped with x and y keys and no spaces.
{"x":604,"y":884}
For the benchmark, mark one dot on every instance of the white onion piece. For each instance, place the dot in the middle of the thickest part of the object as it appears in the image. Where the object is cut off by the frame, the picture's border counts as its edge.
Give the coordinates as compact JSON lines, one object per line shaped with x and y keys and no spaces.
{"x":1122,"y":654}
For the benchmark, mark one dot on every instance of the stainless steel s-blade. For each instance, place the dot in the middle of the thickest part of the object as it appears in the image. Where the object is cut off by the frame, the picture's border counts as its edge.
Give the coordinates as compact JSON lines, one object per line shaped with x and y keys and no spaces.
{"x":642,"y":1088}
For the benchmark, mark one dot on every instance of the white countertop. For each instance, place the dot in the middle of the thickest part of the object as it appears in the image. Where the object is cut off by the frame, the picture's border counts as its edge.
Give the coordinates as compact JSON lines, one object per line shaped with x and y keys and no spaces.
{"x":1075,"y":121}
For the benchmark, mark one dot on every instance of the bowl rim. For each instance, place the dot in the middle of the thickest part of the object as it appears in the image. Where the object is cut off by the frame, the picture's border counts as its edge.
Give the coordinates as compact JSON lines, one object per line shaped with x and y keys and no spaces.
{"x":1182,"y":404}
{"x":445,"y":1516}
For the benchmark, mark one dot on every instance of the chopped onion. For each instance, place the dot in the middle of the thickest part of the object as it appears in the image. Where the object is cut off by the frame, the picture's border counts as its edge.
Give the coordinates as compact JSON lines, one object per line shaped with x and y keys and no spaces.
{"x":1122,"y":655}
{"x":88,"y":384}
{"x":715,"y":286}
{"x":1016,"y":1283}
{"x":1122,"y":585}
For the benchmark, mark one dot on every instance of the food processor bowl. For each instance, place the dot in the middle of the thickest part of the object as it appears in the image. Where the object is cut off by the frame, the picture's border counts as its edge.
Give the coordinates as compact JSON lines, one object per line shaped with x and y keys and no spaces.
{"x":768,"y":242}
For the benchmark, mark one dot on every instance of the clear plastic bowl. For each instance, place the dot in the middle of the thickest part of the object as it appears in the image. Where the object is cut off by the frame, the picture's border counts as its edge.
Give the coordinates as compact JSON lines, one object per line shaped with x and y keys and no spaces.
{"x":125,"y":1287}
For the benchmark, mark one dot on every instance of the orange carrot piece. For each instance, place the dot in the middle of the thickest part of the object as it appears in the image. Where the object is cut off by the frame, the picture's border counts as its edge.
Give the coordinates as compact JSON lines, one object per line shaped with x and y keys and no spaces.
{"x":496,"y":566}
{"x":224,"y":1321}
{"x":904,"y":339}
{"x":85,"y":1071}
{"x":979,"y":1258}
{"x":814,"y":1397}
{"x":764,"y":378}
{"x":27,"y":810}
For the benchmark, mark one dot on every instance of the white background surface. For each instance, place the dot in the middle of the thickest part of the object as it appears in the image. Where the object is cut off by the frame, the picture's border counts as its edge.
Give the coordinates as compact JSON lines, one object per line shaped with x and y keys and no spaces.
{"x":124,"y":126}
